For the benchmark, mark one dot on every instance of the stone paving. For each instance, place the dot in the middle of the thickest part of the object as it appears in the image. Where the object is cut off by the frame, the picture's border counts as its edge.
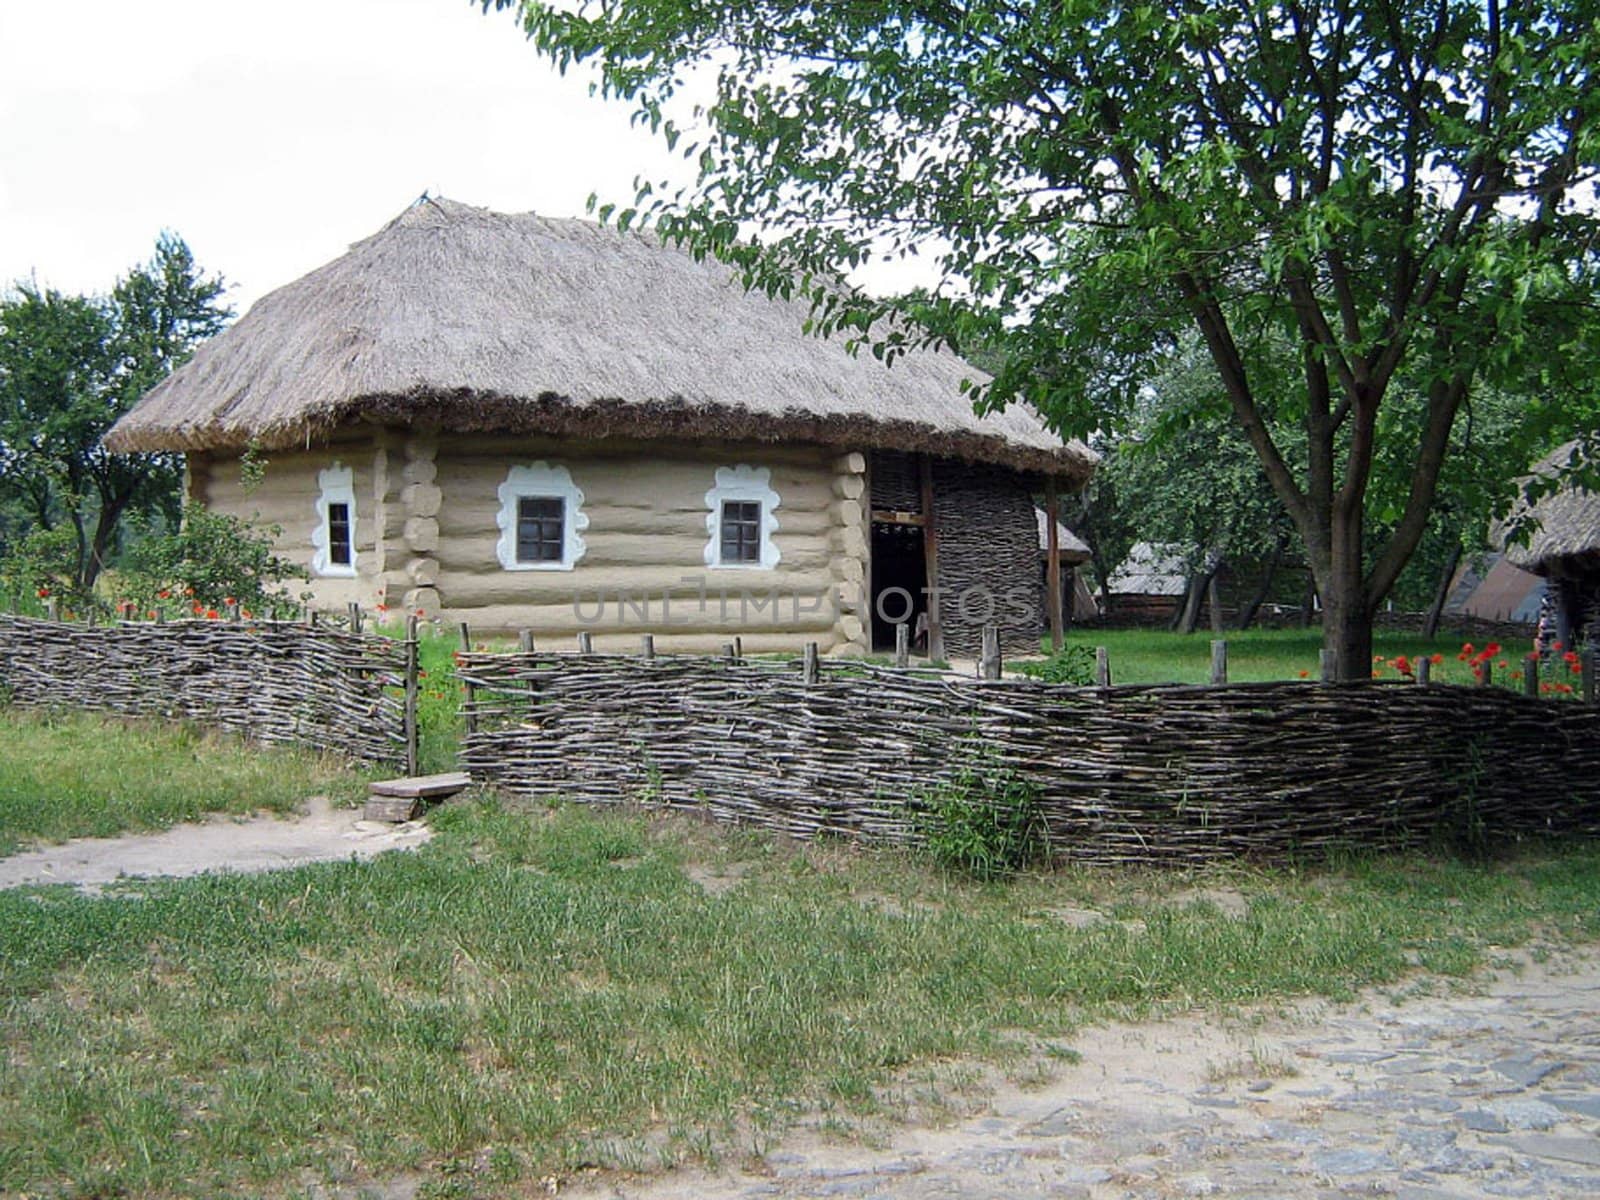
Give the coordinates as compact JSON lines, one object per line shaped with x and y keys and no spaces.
{"x":1440,"y":1097}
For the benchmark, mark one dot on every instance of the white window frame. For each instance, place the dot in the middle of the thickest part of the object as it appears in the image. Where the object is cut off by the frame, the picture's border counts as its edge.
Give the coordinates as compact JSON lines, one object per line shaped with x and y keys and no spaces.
{"x":335,"y":485}
{"x":541,"y":481}
{"x":742,"y":483}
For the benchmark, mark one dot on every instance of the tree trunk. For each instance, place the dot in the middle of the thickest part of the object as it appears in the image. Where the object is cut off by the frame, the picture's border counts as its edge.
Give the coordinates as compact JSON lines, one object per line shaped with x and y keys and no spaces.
{"x":1248,"y":616}
{"x":1346,"y":605}
{"x":1308,"y":600}
{"x":1189,"y":615}
{"x":1214,"y":603}
{"x":1430,"y":624}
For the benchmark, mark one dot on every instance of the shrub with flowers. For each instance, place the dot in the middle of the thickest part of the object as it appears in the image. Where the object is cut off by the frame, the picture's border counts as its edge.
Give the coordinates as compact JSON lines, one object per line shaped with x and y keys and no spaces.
{"x":1565,"y":672}
{"x":213,"y":563}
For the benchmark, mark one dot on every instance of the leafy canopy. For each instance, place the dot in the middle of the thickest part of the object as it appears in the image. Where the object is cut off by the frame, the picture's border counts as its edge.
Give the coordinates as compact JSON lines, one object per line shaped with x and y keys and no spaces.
{"x":1403,"y":192}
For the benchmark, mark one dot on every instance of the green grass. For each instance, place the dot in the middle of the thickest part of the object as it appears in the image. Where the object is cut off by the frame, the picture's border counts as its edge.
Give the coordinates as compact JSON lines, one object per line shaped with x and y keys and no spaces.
{"x":68,"y":774}
{"x":534,"y":992}
{"x":1256,"y":655}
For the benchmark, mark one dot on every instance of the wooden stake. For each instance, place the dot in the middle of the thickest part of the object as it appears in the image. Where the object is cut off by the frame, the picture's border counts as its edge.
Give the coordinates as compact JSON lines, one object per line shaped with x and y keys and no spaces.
{"x":586,"y":643}
{"x":525,"y":641}
{"x":1102,"y":667}
{"x":471,"y":708}
{"x":1424,"y":669}
{"x":52,"y":609}
{"x":1219,"y":662}
{"x":411,"y":695}
{"x":647,"y":645}
{"x":989,"y":664}
{"x":1530,"y":675}
{"x":1053,"y":563}
{"x":812,"y":669}
{"x":355,"y":617}
{"x":902,"y":645}
{"x":1330,"y":665}
{"x":1587,"y":657}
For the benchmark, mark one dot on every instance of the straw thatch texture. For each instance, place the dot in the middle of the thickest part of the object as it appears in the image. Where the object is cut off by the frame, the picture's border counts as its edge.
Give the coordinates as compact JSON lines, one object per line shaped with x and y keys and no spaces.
{"x":271,"y":681}
{"x":1122,"y":775}
{"x":484,"y":321}
{"x":1565,"y":524}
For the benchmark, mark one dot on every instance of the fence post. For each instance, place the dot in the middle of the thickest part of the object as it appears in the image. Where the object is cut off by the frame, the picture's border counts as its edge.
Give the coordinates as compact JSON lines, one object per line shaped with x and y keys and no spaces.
{"x":902,"y":645}
{"x":355,"y":617}
{"x":1329,"y":667}
{"x":1424,"y":669}
{"x":647,"y":645}
{"x":738,"y":648}
{"x":1587,"y":657}
{"x":586,"y":643}
{"x":525,"y":641}
{"x":811,"y":670}
{"x":989,"y":665}
{"x":411,"y":695}
{"x":1486,"y":672}
{"x":1219,"y":662}
{"x":470,"y":709}
{"x":161,"y":615}
{"x":233,"y":614}
{"x":52,"y":609}
{"x":1102,"y":667}
{"x":1530,"y":675}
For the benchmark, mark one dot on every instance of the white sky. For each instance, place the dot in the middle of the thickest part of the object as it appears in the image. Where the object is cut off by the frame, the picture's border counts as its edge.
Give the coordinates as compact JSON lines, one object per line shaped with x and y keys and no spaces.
{"x":271,"y":135}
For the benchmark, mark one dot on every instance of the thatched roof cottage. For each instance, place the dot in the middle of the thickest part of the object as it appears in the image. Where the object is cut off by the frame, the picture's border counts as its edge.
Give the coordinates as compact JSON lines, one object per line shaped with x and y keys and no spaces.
{"x":547,"y":424}
{"x":1564,"y":547}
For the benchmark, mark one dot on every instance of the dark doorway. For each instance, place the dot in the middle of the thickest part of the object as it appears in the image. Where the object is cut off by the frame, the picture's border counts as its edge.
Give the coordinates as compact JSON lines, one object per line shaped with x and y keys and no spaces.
{"x":900,"y":570}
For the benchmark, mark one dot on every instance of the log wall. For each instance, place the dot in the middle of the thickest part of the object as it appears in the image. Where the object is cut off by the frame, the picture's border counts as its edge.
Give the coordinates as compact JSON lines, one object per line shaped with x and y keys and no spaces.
{"x":1157,"y":775}
{"x":271,"y":681}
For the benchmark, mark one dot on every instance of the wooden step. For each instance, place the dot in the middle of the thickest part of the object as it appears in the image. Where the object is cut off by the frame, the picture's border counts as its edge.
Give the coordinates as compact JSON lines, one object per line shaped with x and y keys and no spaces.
{"x":404,"y":799}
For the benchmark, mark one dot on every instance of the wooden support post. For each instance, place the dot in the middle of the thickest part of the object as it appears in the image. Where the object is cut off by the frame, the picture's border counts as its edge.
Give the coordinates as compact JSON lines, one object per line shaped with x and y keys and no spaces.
{"x":902,"y":645}
{"x":1102,"y":667}
{"x":1530,"y":675}
{"x":1486,"y":672}
{"x":525,"y":641}
{"x":812,"y":670}
{"x":470,"y":710}
{"x":161,"y":615}
{"x":1329,"y":665}
{"x":738,"y":648}
{"x":586,"y":642}
{"x":313,"y":618}
{"x":355,"y":617}
{"x":1587,"y":657}
{"x":92,"y":617}
{"x":1053,"y":562}
{"x":730,"y":652}
{"x":1424,"y":669}
{"x":411,"y":695}
{"x":647,"y":646}
{"x":930,"y":560}
{"x":52,"y":609}
{"x":1219,"y":662}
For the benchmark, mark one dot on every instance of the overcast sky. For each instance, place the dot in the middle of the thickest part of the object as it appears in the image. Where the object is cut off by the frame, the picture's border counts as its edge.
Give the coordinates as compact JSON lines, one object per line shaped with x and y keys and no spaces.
{"x":272,"y":135}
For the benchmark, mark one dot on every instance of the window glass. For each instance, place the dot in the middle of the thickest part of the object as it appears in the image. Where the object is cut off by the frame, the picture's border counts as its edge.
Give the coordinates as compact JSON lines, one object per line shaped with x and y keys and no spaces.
{"x":541,"y":528}
{"x":741,"y":531}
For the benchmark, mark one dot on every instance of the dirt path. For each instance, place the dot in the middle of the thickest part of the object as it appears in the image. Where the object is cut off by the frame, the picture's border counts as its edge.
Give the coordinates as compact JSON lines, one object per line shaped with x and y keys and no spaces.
{"x":1445,"y":1097}
{"x":322,"y":834}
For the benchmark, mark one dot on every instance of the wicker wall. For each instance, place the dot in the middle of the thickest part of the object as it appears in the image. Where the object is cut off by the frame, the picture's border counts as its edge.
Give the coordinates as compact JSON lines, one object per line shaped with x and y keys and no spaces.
{"x":988,"y":557}
{"x":271,"y":681}
{"x":1124,"y":775}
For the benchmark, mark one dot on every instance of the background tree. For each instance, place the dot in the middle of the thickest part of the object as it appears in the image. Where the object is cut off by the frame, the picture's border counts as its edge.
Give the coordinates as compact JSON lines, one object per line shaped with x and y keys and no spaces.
{"x":69,"y":367}
{"x":1395,"y":187}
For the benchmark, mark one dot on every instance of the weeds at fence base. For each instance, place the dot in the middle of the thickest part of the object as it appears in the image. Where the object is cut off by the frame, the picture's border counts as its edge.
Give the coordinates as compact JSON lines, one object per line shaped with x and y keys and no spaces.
{"x":983,"y":823}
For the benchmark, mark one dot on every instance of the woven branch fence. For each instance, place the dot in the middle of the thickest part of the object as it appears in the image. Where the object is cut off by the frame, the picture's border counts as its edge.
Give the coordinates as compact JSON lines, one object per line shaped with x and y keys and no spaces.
{"x":271,"y":681}
{"x":1133,"y":774}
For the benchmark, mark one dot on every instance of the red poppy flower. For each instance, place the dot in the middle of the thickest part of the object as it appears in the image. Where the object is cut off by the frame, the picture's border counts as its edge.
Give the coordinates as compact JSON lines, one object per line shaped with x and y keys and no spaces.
{"x":44,"y":593}
{"x":151,"y":615}
{"x":1403,"y":665}
{"x":211,"y":614}
{"x":163,"y":594}
{"x":245,"y":613}
{"x":1492,"y":649}
{"x":1305,"y":674}
{"x":229,"y":601}
{"x":1436,"y":659}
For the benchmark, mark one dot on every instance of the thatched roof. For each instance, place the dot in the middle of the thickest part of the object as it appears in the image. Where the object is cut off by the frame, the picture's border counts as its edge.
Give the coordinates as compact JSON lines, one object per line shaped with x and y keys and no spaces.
{"x":483,"y":321}
{"x":1564,"y":524}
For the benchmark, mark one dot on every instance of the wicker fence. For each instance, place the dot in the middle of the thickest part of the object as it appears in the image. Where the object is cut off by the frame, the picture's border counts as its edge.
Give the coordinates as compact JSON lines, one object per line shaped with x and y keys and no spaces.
{"x":1136,"y":774}
{"x":273,"y":681}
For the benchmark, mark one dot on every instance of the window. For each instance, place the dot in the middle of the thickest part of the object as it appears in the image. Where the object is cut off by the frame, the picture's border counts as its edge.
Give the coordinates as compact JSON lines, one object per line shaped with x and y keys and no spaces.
{"x":741,"y":531}
{"x":741,"y":518}
{"x":339,"y":546}
{"x":333,"y":539}
{"x":541,"y":520}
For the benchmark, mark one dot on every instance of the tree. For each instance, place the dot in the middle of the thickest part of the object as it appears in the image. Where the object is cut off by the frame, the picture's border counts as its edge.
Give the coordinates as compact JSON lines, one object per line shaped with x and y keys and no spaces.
{"x":1403,"y":190}
{"x":69,"y":367}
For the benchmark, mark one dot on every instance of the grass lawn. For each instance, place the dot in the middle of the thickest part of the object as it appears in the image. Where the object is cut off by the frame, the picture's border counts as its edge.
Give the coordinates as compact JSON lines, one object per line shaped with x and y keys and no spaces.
{"x":1156,"y":656}
{"x":69,"y":774}
{"x":537,"y":991}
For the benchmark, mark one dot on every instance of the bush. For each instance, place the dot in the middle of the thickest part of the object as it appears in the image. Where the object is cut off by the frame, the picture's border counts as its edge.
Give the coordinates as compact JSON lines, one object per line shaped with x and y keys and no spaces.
{"x":44,"y":564}
{"x":1071,"y":664}
{"x":983,"y":823}
{"x":213,"y":559}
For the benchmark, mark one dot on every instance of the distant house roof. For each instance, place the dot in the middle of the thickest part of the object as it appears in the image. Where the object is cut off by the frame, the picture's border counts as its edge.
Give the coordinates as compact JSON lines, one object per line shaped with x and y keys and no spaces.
{"x":1566,"y":522}
{"x":1501,"y":591}
{"x":1073,"y":549}
{"x":1151,"y":569}
{"x":486,"y":321}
